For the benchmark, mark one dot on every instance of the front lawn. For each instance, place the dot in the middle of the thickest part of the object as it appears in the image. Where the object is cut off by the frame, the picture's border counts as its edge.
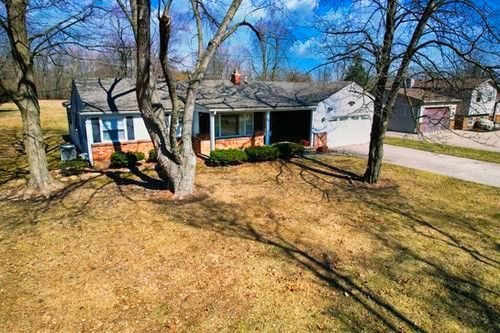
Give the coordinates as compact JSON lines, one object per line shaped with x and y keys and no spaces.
{"x":270,"y":246}
{"x":13,"y":161}
{"x":475,"y":154}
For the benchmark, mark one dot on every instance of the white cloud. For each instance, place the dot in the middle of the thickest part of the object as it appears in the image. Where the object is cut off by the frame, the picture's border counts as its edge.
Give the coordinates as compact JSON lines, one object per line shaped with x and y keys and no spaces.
{"x":294,"y":5}
{"x":307,"y":47}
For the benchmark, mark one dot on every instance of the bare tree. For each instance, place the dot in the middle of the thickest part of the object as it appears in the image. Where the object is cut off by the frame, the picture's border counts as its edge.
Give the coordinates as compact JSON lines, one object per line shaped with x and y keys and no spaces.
{"x":120,"y":41}
{"x":176,"y":158}
{"x":272,"y":46}
{"x":396,"y":35}
{"x":26,"y":41}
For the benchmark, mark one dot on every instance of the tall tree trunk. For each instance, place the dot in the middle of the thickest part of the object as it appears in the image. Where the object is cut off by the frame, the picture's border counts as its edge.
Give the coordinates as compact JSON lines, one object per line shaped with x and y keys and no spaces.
{"x":384,"y":102}
{"x":379,"y":124}
{"x":176,"y":166}
{"x":376,"y":152}
{"x":26,"y":98}
{"x":34,"y":144}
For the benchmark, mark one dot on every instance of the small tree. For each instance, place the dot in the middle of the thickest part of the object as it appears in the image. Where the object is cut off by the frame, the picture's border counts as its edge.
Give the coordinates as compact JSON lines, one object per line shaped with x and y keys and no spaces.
{"x":356,"y":71}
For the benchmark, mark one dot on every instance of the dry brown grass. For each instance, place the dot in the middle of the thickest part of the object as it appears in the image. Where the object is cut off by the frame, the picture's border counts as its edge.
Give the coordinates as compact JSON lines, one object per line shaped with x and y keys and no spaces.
{"x":262,"y":247}
{"x":13,"y":161}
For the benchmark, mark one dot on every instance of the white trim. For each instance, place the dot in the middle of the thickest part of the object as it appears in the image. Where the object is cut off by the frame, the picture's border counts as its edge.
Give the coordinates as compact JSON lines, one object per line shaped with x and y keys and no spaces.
{"x":268,"y":128}
{"x":260,"y":109}
{"x":452,"y":108}
{"x":252,"y":132}
{"x":88,"y":130}
{"x":212,"y":131}
{"x":119,"y":118}
{"x":311,"y":134}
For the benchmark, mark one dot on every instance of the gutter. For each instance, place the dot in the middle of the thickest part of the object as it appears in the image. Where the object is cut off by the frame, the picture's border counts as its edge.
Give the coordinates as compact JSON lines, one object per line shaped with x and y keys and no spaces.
{"x":259,"y":109}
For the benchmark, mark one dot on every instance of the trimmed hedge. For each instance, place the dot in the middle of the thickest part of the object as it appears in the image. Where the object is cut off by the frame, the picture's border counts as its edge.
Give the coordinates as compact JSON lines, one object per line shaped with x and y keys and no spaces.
{"x":289,"y":149}
{"x":262,"y":153}
{"x":73,"y":167}
{"x":120,"y":159}
{"x":152,"y":156}
{"x":139,"y":155}
{"x":227,"y":157}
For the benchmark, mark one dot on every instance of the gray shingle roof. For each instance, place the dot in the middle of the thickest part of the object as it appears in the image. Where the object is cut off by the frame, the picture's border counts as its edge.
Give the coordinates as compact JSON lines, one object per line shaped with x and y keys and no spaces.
{"x":112,"y":95}
{"x":222,"y":94}
{"x":118,"y":95}
{"x":426,"y":96}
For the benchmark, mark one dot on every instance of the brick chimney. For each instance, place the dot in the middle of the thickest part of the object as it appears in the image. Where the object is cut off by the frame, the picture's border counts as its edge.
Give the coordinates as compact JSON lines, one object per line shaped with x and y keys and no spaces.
{"x":236,"y":77}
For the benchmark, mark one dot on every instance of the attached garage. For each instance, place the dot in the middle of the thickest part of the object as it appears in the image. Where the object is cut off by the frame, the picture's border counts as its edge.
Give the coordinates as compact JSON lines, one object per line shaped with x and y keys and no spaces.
{"x":349,"y":130}
{"x":344,"y":118}
{"x":434,"y":119}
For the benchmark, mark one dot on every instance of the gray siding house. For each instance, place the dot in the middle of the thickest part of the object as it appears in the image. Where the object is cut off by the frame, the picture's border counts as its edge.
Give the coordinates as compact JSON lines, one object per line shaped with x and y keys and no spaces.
{"x":418,"y":110}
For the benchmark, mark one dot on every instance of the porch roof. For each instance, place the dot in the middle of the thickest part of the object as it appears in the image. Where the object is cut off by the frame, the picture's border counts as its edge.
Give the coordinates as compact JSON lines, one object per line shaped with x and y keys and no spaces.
{"x":222,"y":95}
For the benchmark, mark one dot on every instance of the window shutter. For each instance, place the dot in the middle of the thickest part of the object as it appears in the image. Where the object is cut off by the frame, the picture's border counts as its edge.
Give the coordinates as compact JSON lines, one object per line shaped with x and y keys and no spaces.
{"x":96,"y":130}
{"x":130,"y":128}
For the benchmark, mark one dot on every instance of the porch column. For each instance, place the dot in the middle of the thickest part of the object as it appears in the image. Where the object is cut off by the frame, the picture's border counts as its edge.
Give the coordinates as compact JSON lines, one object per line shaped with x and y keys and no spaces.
{"x":311,"y":134}
{"x":212,"y":131}
{"x":267,"y":140}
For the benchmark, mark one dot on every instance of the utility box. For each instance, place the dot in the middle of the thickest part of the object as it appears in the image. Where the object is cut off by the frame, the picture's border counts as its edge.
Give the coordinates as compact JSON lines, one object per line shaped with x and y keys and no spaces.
{"x":68,"y":152}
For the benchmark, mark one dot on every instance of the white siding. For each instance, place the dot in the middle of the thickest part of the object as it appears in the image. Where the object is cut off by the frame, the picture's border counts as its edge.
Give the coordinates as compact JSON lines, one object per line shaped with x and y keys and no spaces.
{"x":486,"y":105}
{"x":141,"y":133}
{"x":346,"y":117}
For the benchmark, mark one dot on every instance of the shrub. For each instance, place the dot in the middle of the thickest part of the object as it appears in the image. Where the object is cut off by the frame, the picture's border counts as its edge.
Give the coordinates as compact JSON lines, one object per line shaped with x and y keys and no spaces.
{"x":227,"y":157}
{"x":121,"y":159}
{"x":264,"y":153}
{"x":322,"y":149}
{"x":152,"y":156}
{"x":140,"y":155}
{"x":289,"y":149}
{"x":73,"y":167}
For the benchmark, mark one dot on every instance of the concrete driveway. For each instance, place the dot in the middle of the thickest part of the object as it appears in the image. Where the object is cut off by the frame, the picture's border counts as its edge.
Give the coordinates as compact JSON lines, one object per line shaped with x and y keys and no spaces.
{"x":468,"y":139}
{"x":457,"y":167}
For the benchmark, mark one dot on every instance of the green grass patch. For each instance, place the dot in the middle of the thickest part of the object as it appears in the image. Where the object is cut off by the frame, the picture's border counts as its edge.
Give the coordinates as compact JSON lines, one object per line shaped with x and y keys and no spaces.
{"x":475,"y":154}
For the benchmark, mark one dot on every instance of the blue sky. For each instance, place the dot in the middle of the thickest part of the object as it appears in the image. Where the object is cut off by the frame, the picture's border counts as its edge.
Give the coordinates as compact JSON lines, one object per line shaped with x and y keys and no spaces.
{"x":303,"y":50}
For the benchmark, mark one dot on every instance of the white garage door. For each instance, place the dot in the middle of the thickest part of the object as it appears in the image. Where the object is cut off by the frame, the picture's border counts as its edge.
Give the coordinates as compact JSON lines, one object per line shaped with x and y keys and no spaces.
{"x":349,"y":130}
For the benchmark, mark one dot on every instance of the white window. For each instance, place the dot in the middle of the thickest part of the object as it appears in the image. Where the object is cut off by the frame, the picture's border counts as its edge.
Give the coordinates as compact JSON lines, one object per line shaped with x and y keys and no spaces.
{"x":113,"y":129}
{"x":234,"y":125}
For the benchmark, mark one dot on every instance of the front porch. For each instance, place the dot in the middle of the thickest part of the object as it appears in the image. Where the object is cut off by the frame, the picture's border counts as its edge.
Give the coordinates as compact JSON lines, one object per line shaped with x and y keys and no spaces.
{"x":229,"y":129}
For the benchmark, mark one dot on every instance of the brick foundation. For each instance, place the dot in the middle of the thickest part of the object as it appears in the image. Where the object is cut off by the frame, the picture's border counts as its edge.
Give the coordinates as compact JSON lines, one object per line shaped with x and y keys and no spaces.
{"x":320,"y":140}
{"x":201,"y":143}
{"x":467,"y":122}
{"x":101,"y":152}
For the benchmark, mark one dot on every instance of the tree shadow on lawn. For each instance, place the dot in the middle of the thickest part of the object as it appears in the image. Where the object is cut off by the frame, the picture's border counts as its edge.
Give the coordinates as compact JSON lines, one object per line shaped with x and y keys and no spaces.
{"x":461,"y":296}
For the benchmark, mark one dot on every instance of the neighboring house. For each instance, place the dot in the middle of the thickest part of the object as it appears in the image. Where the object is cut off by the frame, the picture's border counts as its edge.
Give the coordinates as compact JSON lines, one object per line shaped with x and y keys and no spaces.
{"x":103,"y":115}
{"x":419,"y":110}
{"x":478,"y":95}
